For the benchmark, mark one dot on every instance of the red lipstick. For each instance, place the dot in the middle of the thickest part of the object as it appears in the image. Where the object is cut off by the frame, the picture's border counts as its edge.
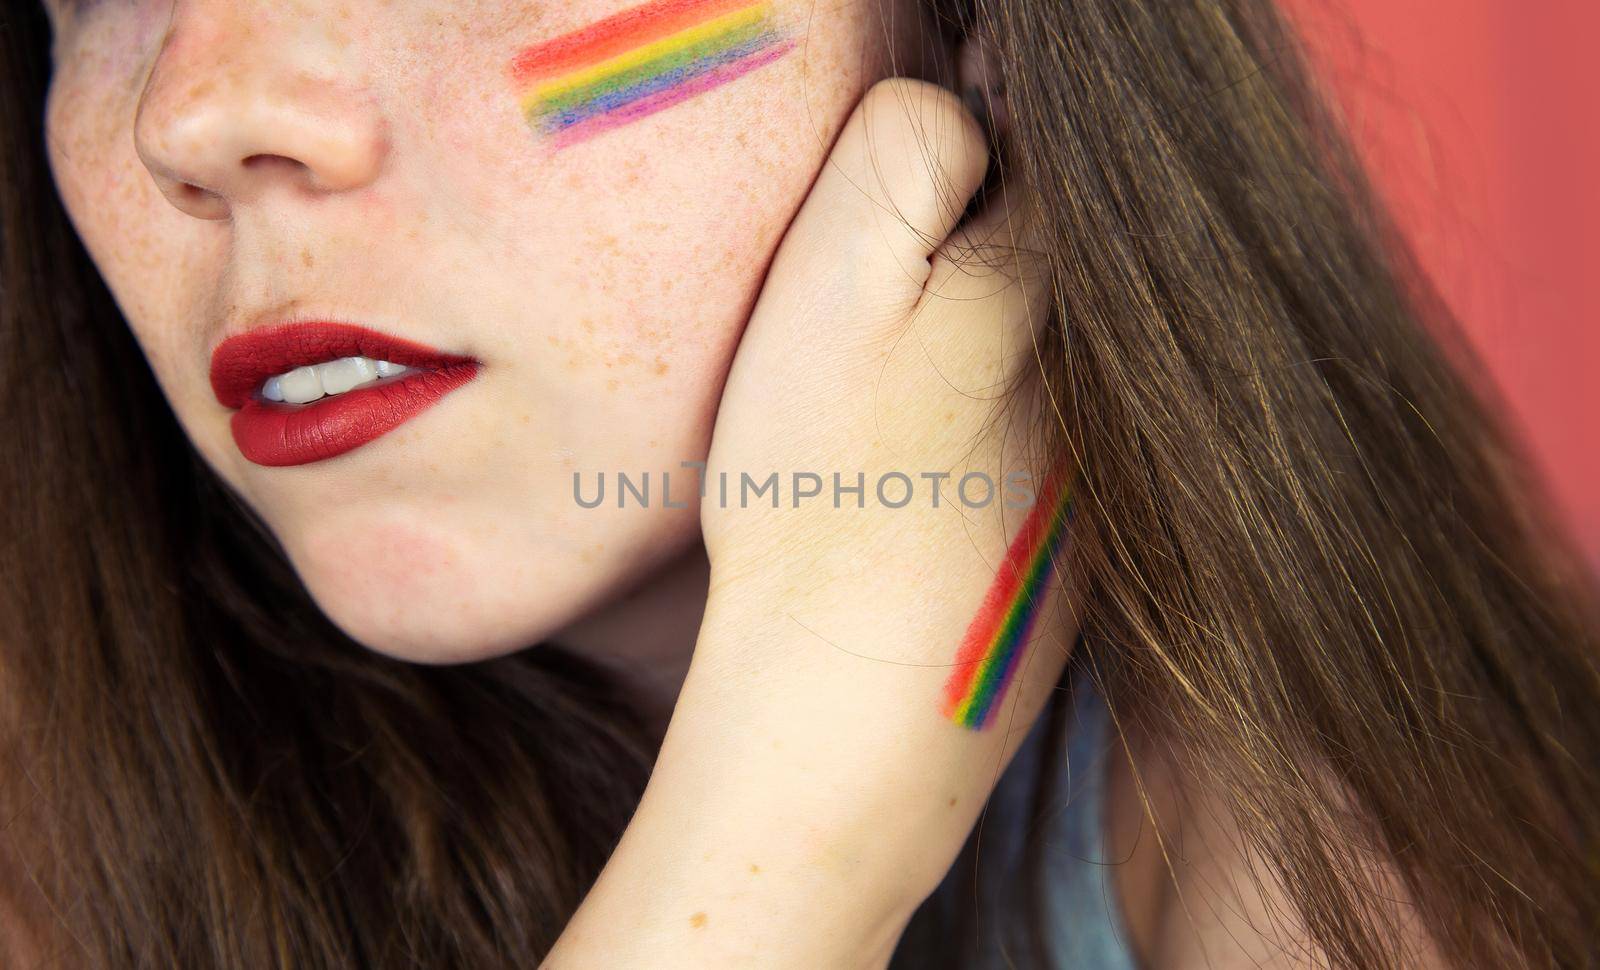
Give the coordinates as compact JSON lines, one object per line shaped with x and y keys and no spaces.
{"x":277,"y":433}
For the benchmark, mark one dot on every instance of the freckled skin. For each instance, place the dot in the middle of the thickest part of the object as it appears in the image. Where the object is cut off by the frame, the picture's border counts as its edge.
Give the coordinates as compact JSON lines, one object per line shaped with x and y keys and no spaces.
{"x":367,"y":161}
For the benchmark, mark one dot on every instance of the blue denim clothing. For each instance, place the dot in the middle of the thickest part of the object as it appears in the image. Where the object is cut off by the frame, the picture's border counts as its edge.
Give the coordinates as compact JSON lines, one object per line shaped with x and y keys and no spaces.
{"x":1086,"y":931}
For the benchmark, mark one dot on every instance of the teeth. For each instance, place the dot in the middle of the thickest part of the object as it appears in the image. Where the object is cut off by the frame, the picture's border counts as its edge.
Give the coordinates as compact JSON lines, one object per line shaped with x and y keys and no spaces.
{"x":341,"y":375}
{"x":300,"y":386}
{"x":306,"y":384}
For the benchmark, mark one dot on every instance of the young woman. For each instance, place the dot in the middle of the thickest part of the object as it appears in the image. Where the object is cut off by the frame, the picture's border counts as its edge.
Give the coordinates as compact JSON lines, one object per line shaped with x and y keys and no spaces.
{"x":1120,"y":563}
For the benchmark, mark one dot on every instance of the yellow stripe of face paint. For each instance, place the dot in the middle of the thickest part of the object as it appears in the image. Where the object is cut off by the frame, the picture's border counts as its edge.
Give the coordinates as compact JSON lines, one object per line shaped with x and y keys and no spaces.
{"x":640,"y":55}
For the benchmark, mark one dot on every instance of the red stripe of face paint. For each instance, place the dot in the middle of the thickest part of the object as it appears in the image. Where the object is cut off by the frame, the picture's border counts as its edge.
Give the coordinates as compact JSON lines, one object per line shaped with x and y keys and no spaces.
{"x":644,"y":107}
{"x":615,"y":35}
{"x":1003,"y":592}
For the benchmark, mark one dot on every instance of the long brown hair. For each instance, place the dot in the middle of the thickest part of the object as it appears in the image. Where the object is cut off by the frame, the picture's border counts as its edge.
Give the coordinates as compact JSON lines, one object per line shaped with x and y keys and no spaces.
{"x":1319,"y":565}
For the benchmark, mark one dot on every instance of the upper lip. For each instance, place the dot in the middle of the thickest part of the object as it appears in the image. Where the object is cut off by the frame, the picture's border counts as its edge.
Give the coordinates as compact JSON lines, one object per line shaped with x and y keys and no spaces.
{"x":242,"y":363}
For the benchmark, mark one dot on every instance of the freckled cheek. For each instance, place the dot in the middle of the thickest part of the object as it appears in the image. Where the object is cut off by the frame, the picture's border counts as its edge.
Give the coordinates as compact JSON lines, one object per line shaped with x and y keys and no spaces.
{"x":117,"y":213}
{"x":695,"y":293}
{"x":126,"y":226}
{"x":661,"y":357}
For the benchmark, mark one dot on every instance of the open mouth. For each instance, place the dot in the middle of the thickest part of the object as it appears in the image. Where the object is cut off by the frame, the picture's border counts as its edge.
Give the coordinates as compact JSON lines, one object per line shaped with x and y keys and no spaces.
{"x":315,"y":381}
{"x":305,"y":392}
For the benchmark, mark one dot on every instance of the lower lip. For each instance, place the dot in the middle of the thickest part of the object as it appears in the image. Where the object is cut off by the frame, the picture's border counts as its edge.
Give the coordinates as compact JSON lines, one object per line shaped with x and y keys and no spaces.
{"x":270,"y":433}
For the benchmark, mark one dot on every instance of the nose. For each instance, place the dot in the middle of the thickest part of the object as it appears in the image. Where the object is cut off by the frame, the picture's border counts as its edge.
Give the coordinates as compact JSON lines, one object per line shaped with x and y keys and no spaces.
{"x":235,"y":108}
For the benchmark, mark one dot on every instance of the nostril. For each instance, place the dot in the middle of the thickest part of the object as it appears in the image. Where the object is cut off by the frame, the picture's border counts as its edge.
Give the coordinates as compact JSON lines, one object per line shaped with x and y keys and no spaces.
{"x":284,"y":170}
{"x":266,"y":161}
{"x":196,"y":201}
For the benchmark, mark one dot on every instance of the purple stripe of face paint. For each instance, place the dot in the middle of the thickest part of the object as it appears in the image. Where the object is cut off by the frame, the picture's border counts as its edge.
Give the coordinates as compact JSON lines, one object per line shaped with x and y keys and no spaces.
{"x":984,"y":705}
{"x":655,"y":85}
{"x":650,"y":104}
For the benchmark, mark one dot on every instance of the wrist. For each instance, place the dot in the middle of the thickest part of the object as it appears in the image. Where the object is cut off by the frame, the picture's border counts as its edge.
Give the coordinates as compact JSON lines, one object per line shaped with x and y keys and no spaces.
{"x":667,"y":901}
{"x":810,"y":792}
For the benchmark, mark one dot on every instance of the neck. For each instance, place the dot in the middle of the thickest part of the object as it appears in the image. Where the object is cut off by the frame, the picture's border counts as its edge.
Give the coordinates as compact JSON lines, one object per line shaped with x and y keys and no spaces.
{"x":645,"y":638}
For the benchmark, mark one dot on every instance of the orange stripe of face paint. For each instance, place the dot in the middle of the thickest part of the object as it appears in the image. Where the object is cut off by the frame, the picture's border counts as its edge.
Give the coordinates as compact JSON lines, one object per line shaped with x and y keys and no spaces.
{"x":614,"y":35}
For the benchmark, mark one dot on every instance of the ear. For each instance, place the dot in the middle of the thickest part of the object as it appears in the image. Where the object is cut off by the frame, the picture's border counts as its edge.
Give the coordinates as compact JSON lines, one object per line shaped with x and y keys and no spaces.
{"x":982,"y":86}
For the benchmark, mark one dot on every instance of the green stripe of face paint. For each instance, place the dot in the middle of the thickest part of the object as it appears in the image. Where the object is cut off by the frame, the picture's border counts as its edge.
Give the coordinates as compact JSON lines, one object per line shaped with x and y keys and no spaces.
{"x":994,"y":665}
{"x":672,"y":60}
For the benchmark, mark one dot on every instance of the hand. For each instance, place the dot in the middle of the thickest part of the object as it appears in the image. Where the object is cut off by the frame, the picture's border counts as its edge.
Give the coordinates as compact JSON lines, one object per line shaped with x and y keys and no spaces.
{"x":827,"y":759}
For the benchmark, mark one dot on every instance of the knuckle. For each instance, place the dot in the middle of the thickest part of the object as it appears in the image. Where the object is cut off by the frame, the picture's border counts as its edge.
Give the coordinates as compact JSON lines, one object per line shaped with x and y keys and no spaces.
{"x":937,"y":118}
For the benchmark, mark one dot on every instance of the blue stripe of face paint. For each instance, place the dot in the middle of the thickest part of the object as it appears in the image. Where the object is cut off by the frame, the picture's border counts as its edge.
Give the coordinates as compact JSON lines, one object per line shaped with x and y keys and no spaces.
{"x":616,"y":99}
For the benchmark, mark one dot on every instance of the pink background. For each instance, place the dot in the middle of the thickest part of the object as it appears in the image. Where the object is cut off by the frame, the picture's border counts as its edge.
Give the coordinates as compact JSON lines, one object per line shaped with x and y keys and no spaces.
{"x":1481,"y":119}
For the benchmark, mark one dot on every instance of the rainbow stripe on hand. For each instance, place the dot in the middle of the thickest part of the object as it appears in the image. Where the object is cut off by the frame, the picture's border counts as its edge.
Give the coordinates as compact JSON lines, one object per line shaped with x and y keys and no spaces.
{"x":996,"y":638}
{"x":637,"y":62}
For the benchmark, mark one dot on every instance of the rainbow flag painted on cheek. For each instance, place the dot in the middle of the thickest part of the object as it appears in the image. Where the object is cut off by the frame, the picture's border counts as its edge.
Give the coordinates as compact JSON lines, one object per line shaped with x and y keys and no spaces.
{"x":639,"y":61}
{"x":995,"y":640}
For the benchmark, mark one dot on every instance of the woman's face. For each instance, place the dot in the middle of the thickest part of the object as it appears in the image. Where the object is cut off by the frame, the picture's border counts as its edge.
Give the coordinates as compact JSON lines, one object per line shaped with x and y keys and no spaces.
{"x":477,"y":177}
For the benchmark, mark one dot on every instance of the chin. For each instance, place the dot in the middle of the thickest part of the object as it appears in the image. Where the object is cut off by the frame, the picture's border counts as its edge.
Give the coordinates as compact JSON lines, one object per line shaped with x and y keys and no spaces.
{"x":446,"y":613}
{"x":434,"y":594}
